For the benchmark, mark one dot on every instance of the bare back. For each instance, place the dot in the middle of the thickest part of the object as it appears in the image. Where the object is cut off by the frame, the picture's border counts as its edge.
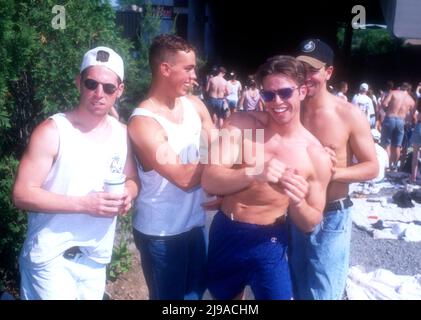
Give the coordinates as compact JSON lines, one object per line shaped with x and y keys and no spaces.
{"x":262,"y":202}
{"x":398,"y":104}
{"x":217,"y":87}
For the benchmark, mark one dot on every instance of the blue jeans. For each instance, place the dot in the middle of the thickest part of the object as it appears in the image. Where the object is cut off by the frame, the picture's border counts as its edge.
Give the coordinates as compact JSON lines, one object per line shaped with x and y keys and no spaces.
{"x":174,"y":266}
{"x":319,"y":260}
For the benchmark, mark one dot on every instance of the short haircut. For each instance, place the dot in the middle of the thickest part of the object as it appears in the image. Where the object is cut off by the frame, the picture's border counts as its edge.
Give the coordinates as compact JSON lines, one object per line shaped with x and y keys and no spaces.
{"x":406,"y":86}
{"x":164,"y":46}
{"x":284,"y":65}
{"x":222,"y":70}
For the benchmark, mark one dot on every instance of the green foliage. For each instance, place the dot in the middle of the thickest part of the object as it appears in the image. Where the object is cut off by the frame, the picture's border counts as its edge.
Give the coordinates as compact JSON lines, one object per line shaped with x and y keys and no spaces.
{"x":122,"y":257}
{"x":40,"y":62}
{"x":368,"y":41}
{"x":12,"y":225}
{"x":372,"y":42}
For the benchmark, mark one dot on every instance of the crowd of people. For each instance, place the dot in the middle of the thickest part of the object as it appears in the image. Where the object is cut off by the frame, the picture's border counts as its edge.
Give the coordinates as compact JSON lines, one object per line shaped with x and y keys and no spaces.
{"x":394,"y":117}
{"x":280,"y":171}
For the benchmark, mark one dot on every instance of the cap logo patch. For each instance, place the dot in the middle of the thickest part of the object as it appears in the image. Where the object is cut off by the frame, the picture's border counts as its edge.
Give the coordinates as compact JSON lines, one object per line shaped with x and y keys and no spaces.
{"x":309,"y":46}
{"x":102,"y":56}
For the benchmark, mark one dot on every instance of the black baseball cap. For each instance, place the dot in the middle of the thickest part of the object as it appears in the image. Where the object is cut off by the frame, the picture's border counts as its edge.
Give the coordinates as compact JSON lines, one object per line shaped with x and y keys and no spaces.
{"x":316,"y":53}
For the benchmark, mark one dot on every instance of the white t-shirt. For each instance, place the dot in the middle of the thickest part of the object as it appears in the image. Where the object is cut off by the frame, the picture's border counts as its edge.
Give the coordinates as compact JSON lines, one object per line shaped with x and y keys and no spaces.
{"x":233,"y":89}
{"x":365,"y":104}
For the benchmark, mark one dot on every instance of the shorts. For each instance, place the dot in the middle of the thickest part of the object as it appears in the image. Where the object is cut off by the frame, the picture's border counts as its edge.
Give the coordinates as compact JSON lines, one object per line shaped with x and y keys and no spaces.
{"x":243,"y":254}
{"x":217,"y":107}
{"x":232,"y":104}
{"x":392,"y":131}
{"x":416,"y":135}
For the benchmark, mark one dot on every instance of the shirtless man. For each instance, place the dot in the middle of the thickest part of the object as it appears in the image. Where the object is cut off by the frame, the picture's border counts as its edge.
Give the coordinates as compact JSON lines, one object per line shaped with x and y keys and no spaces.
{"x":293,"y":172}
{"x":217,"y":89}
{"x":319,"y":260}
{"x":398,"y":105}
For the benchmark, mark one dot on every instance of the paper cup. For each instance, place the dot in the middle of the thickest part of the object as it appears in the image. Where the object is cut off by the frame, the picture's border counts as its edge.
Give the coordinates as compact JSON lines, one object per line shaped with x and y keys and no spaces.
{"x":114,"y":183}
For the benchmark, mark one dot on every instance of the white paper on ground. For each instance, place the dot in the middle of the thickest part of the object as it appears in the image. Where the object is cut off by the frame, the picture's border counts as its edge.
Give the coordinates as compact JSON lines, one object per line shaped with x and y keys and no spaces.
{"x":381,"y":284}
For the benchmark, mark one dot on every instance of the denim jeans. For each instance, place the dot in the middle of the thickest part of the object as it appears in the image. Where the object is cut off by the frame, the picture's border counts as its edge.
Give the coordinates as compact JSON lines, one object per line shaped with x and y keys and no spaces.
{"x":392,"y":131}
{"x":319,"y":260}
{"x":174,"y":266}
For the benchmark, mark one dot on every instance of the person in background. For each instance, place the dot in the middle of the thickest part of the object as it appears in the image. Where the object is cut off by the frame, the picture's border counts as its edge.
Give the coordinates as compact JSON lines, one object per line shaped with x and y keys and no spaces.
{"x":365,"y":103}
{"x":399,"y":106}
{"x":416,"y":143}
{"x":234,"y":92}
{"x":250,"y":99}
{"x":217,"y":90}
{"x":343,"y":89}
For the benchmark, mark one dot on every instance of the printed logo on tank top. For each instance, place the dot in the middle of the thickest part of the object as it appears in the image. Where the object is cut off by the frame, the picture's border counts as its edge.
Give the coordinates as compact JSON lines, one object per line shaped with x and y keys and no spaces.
{"x":116,"y":165}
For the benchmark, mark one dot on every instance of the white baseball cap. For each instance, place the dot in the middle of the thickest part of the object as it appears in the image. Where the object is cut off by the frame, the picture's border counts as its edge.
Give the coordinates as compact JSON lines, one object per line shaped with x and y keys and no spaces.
{"x":364,"y":87}
{"x":103,"y":56}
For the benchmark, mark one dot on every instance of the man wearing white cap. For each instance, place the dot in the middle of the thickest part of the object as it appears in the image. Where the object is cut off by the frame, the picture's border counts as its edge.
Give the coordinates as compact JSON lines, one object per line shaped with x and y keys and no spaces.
{"x":364,"y":102}
{"x":319,"y":260}
{"x":60,"y":183}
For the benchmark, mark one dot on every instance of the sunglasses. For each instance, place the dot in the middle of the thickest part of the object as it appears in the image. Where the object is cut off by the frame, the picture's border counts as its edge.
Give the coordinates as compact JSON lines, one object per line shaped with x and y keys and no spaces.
{"x":283,"y":93}
{"x":108,"y":88}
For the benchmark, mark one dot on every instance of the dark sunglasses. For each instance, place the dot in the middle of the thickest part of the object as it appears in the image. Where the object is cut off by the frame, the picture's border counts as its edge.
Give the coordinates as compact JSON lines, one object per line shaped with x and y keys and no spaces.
{"x":91,"y":84}
{"x":283,"y":93}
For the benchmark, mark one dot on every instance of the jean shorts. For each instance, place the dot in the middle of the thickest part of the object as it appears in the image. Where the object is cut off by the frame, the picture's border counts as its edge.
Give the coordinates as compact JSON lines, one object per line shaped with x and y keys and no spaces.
{"x":392,"y":131}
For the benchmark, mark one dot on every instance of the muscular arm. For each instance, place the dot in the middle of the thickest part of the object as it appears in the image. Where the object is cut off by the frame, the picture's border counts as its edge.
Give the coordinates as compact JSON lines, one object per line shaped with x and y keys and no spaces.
{"x":362,"y":146}
{"x":219,"y":177}
{"x":151,"y":147}
{"x":34,"y":167}
{"x":307,"y":212}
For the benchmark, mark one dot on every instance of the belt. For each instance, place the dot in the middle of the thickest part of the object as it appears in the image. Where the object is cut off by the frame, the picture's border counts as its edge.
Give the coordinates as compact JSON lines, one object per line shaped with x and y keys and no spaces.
{"x":338,"y":204}
{"x":71,"y":252}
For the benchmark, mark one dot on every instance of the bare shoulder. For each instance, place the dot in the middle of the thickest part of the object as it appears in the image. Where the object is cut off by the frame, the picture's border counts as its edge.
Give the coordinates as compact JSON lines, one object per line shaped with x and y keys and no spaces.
{"x":247,"y":120}
{"x":142,"y":128}
{"x":44,"y":139}
{"x":47,"y":130}
{"x":348,"y":111}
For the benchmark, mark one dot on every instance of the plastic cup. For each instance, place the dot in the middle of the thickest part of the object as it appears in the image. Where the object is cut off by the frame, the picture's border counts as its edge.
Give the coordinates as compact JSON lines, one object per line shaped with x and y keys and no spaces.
{"x":114,"y":183}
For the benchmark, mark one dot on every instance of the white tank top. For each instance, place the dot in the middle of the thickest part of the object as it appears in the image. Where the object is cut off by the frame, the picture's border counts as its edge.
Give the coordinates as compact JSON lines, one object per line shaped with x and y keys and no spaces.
{"x":80,"y":168}
{"x":163,"y":209}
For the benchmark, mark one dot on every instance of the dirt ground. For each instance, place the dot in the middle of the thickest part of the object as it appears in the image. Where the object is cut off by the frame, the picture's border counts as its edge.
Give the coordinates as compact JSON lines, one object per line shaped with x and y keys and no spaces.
{"x":130,"y":285}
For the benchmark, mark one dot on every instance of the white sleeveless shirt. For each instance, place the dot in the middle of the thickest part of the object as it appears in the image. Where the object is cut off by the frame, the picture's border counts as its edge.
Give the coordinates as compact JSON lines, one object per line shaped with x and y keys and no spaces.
{"x":80,"y":168}
{"x":163,"y":209}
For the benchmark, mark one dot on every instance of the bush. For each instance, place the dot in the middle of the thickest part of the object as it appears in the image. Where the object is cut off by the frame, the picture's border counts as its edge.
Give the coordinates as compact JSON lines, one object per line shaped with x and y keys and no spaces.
{"x":122,"y":257}
{"x":12,"y":227}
